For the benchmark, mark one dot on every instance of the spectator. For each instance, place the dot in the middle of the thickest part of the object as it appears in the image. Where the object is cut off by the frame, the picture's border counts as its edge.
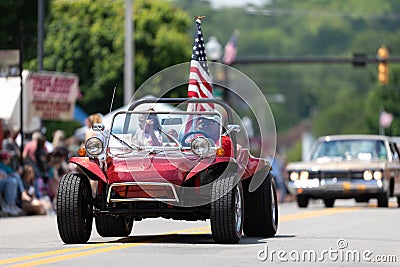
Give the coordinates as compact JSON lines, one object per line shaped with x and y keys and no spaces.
{"x":11,"y":185}
{"x":8,"y":189}
{"x":55,"y":172}
{"x":73,"y":145}
{"x":59,"y":144}
{"x":33,"y":205}
{"x":90,"y":121}
{"x":278,"y":168}
{"x":10,"y":145}
{"x":35,"y":154}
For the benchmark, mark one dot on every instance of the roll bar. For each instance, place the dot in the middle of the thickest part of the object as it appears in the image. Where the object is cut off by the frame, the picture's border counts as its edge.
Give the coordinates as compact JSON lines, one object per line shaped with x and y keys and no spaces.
{"x":187,"y":101}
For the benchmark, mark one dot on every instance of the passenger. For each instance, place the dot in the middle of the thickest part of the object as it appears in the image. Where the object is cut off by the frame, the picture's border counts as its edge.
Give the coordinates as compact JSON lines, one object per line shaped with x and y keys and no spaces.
{"x":149,"y":131}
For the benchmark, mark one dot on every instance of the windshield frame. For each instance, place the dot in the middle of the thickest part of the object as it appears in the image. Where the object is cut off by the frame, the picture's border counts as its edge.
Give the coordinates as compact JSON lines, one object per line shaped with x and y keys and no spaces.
{"x":128,"y":113}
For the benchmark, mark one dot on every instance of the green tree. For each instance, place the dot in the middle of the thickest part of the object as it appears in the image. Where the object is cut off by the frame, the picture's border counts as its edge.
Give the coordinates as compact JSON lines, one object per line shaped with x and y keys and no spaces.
{"x":19,"y":20}
{"x":87,"y":38}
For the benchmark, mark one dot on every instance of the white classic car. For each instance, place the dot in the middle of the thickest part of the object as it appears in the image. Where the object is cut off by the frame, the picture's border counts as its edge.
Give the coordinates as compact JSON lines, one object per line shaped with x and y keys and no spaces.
{"x":347,"y":166}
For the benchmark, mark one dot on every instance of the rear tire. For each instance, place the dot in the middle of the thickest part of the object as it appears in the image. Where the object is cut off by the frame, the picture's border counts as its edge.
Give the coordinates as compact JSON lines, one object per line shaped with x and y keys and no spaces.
{"x":261,"y":209}
{"x":302,"y":201}
{"x":227,"y":210}
{"x":113,"y":226}
{"x":74,"y":209}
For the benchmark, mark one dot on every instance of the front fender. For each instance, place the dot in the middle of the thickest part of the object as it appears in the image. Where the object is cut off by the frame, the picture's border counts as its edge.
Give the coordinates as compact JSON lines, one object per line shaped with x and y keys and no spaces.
{"x":89,"y":167}
{"x":202,"y":165}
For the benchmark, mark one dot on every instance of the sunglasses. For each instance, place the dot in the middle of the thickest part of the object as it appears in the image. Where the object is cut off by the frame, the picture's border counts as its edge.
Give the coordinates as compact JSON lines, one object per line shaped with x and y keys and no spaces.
{"x":207,"y":123}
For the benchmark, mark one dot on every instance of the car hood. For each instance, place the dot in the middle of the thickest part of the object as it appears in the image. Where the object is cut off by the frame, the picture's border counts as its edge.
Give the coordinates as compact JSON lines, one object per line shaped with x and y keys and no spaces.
{"x":171,"y":168}
{"x":329,"y":164}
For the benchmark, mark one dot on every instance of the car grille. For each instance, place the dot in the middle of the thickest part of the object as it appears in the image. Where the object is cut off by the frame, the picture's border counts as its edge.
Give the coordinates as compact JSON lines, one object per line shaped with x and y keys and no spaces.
{"x":336,"y":174}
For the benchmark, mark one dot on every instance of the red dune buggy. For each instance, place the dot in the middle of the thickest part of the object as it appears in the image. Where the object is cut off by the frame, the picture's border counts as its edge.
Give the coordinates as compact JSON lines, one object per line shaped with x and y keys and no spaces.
{"x":172,"y":164}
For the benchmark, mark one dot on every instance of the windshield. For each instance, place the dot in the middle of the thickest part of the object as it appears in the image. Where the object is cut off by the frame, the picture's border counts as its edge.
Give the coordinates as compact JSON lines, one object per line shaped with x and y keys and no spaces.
{"x":351,"y":149}
{"x":150,"y":129}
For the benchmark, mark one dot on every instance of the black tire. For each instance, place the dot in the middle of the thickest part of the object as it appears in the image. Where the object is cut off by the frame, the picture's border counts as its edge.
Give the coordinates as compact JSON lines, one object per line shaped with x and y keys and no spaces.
{"x":261,"y":209}
{"x":329,"y":202}
{"x":383,"y":200}
{"x":226,"y":210}
{"x":74,"y":209}
{"x":398,"y":201}
{"x":302,"y":201}
{"x":113,"y":226}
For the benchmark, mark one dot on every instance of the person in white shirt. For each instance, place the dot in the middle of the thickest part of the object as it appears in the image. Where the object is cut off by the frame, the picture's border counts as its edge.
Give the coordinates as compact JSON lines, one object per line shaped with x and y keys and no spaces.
{"x":149,"y":131}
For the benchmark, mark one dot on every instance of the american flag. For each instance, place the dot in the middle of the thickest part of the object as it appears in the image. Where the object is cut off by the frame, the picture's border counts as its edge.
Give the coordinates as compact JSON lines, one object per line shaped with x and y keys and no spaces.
{"x":230,"y":50}
{"x":200,"y":85}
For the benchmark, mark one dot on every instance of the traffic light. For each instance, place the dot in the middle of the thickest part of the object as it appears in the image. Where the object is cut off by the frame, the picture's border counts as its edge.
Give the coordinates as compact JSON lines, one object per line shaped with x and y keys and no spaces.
{"x":383,"y":68}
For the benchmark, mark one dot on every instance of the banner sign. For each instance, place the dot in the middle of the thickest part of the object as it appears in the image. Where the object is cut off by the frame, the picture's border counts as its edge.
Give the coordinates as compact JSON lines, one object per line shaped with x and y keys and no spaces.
{"x":52,"y":96}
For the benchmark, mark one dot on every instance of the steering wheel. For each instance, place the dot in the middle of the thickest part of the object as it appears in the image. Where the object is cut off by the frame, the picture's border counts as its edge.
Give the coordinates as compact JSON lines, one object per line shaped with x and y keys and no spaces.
{"x":184,"y":143}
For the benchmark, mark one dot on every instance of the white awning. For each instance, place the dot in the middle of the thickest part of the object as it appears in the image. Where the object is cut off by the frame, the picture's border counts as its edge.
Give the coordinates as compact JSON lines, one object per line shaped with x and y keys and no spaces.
{"x":10,"y":90}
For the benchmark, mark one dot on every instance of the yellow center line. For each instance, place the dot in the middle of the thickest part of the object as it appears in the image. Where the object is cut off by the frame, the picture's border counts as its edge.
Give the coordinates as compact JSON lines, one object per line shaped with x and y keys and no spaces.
{"x":315,"y":213}
{"x":77,"y":255}
{"x":107,"y":247}
{"x":51,"y":253}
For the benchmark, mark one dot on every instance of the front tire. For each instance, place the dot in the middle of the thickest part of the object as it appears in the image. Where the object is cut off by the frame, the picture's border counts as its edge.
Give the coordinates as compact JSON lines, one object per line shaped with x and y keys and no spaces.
{"x":227,"y":210}
{"x":261,"y":209}
{"x":329,"y":202}
{"x":383,"y":200}
{"x":302,"y":201}
{"x":74,"y":209}
{"x":113,"y":226}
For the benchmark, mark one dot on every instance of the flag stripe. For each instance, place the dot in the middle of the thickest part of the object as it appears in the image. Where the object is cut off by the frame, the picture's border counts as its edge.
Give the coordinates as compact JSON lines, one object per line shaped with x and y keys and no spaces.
{"x":196,"y":73}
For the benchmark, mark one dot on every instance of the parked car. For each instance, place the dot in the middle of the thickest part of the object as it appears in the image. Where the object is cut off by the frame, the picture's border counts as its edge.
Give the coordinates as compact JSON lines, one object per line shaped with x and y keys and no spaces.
{"x":180,"y":170}
{"x":347,"y":166}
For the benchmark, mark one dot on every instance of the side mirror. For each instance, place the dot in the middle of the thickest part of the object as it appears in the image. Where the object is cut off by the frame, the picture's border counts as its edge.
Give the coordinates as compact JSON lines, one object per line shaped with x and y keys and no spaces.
{"x":98,"y":127}
{"x":232,"y":128}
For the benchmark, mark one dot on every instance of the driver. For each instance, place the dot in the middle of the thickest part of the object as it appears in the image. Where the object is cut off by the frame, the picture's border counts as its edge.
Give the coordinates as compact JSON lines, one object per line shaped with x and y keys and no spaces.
{"x":149,"y":131}
{"x":210,"y":126}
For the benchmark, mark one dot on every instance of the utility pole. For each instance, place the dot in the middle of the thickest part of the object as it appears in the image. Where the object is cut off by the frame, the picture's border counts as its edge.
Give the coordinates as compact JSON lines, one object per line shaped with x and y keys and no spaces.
{"x":129,"y":67}
{"x":40,"y":34}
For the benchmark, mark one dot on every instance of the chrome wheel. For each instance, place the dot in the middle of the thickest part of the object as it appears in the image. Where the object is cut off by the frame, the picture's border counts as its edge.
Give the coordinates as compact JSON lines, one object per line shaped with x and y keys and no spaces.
{"x":239,"y":209}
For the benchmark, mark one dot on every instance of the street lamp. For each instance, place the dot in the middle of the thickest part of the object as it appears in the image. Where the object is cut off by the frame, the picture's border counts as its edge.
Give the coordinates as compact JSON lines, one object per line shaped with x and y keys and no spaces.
{"x":214,"y":54}
{"x":213,"y":49}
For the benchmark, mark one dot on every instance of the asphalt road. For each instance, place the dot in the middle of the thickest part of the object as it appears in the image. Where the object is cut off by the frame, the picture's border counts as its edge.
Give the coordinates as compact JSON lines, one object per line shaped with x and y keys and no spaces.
{"x":349,"y":234}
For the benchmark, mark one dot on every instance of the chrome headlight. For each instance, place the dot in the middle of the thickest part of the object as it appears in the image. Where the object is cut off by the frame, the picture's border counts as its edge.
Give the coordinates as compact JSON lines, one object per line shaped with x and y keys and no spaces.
{"x":367,"y":175}
{"x":200,"y":146}
{"x":94,"y":146}
{"x":304,"y":175}
{"x":378,"y":175}
{"x":294,"y":176}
